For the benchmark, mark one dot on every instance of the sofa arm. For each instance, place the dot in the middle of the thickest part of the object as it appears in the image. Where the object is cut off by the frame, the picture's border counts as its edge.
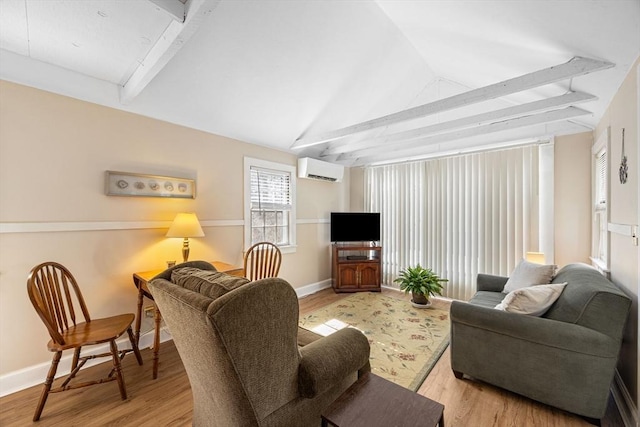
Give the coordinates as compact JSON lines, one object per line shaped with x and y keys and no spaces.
{"x":327,"y":361}
{"x":488,"y":282}
{"x":537,"y":330}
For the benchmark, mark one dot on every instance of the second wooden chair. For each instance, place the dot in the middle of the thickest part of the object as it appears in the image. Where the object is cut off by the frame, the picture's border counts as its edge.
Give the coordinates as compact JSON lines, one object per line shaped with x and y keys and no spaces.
{"x":262,"y":260}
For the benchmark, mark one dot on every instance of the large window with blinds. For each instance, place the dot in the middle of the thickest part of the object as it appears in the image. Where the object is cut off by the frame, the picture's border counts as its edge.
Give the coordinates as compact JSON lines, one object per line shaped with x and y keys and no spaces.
{"x":269,"y":203}
{"x":460,"y":216}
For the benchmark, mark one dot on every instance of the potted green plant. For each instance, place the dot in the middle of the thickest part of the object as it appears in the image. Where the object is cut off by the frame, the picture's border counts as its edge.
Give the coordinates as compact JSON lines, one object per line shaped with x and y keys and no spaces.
{"x":422,"y":283}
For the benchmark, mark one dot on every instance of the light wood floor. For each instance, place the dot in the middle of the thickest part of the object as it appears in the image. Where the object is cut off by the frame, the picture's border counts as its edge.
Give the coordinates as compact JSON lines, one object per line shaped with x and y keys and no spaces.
{"x":167,"y":401}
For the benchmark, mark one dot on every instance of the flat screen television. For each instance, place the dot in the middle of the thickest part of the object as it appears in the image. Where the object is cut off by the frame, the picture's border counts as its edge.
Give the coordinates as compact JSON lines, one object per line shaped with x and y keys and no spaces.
{"x":355,"y":226}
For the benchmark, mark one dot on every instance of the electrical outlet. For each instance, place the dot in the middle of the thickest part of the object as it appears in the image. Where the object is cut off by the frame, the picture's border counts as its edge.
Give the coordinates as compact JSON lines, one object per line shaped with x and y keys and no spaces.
{"x":149,"y":311}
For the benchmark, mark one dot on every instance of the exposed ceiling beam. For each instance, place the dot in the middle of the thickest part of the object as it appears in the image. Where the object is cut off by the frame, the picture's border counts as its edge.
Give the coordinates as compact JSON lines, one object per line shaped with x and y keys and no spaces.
{"x":169,"y":43}
{"x":465,"y":122}
{"x":577,"y":66}
{"x":414,"y":147}
{"x":490,"y":142}
{"x":438,"y":153}
{"x":175,"y":8}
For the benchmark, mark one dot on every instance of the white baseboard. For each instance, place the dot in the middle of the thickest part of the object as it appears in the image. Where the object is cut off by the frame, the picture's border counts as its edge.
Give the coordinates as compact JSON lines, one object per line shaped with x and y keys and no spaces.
{"x":313,"y":288}
{"x":624,"y":402}
{"x":34,"y":375}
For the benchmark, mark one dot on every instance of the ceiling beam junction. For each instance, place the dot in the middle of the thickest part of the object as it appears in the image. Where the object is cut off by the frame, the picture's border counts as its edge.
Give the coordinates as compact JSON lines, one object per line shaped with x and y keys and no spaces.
{"x":565,"y":100}
{"x":175,"y":8}
{"x":577,"y":66}
{"x":170,"y":42}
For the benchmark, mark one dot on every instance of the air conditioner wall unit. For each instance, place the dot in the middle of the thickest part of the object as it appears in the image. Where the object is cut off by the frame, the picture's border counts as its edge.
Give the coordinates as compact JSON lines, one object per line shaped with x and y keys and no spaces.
{"x":320,"y":170}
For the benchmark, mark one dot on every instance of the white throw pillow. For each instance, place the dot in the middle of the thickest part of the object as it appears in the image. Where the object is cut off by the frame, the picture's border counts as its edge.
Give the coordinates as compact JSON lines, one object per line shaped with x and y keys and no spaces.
{"x":529,"y":274}
{"x":534,"y":300}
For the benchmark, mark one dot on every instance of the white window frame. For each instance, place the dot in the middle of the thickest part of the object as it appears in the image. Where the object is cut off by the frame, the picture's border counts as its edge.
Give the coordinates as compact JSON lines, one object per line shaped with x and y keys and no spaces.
{"x":250,"y":162}
{"x":600,"y":246}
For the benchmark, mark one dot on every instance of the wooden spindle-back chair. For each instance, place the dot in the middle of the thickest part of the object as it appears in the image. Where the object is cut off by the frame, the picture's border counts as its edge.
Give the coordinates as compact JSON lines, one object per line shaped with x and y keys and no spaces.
{"x":57,"y":299}
{"x":262,"y":260}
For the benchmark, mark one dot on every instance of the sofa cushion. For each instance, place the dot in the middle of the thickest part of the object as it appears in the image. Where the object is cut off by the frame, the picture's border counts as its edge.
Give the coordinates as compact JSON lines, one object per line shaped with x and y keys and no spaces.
{"x":533,"y":300}
{"x":487,"y":299}
{"x":212,"y":284}
{"x":529,"y":274}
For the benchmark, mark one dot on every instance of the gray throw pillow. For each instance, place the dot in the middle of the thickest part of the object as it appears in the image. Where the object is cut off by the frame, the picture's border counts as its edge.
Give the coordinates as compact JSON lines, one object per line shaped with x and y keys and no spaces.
{"x":532,"y":300}
{"x":529,"y":274}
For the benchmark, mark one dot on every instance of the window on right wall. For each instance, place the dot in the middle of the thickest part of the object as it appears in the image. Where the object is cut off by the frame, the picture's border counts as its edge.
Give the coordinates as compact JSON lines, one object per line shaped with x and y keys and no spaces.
{"x":600,"y":233}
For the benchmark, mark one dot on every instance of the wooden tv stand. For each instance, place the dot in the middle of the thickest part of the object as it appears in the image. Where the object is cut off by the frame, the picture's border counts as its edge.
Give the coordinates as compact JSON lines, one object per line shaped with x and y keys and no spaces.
{"x":356,"y":267}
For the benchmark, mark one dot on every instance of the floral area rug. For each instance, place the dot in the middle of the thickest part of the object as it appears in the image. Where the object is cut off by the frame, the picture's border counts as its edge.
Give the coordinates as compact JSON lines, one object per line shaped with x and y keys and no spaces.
{"x":405,"y":342}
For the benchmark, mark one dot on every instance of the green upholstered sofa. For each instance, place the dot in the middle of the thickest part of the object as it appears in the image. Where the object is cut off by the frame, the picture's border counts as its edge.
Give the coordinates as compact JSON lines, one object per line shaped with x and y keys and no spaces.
{"x":566,"y":358}
{"x":239,"y":342}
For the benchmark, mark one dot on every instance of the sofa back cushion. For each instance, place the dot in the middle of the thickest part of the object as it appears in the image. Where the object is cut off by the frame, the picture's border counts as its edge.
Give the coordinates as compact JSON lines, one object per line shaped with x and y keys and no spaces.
{"x":589,"y":300}
{"x":212,"y":284}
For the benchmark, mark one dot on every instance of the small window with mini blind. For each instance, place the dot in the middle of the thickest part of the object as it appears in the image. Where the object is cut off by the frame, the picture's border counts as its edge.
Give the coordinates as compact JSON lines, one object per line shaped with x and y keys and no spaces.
{"x":269,"y":203}
{"x":600,"y":235}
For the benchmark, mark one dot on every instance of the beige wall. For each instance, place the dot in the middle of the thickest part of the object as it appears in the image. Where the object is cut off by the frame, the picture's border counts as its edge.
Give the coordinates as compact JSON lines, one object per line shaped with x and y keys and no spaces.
{"x":623,"y":209}
{"x":572,"y":198}
{"x":357,"y":190}
{"x":54,"y":152}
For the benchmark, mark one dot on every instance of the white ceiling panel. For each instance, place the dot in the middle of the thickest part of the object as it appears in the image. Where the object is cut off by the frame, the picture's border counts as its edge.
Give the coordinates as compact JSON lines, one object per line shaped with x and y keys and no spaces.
{"x":103,"y":39}
{"x":14,"y":35}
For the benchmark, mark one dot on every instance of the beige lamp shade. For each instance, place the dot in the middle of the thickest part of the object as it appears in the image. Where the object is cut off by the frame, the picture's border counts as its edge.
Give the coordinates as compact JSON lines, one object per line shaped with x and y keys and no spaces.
{"x":535,"y":257}
{"x":185,"y":225}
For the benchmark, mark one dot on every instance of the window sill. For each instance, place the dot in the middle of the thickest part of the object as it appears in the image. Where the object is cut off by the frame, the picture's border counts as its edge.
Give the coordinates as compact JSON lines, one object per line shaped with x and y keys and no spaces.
{"x":289,"y":249}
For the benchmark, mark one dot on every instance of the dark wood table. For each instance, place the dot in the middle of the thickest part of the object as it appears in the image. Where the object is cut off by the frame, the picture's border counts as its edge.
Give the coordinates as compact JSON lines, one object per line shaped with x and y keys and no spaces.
{"x":374,"y":401}
{"x":141,"y":279}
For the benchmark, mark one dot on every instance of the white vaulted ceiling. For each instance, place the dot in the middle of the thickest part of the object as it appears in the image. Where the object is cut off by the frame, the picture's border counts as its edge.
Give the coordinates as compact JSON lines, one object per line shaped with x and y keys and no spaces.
{"x":279,"y":73}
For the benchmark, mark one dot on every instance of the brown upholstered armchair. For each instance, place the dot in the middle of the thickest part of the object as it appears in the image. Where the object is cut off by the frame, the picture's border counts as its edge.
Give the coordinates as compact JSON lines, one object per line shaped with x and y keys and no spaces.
{"x":238,"y":341}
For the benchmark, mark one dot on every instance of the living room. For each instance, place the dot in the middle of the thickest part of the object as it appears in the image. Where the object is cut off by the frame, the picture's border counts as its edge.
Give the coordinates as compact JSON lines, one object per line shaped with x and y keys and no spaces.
{"x":61,"y":130}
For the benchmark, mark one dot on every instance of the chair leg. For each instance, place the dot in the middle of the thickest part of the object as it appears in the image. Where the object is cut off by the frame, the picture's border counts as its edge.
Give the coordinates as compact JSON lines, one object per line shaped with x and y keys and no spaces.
{"x":156,"y":342}
{"x":118,"y":368}
{"x":134,"y":346}
{"x":76,"y":357}
{"x":47,"y":385}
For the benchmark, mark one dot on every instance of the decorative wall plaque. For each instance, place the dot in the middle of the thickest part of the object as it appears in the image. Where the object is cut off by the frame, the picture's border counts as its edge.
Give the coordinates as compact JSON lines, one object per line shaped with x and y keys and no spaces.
{"x":135,"y":184}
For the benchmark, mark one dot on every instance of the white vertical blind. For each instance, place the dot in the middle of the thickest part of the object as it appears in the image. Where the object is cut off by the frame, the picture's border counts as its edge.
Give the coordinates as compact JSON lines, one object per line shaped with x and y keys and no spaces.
{"x":458,"y":215}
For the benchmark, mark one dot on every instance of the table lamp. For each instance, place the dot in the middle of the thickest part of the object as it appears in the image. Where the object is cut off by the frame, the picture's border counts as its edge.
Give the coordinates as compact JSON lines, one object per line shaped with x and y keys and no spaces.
{"x":185,"y":225}
{"x":535,"y":257}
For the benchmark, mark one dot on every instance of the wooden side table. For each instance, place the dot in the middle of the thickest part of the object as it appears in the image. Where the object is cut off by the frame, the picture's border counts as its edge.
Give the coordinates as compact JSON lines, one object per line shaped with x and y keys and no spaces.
{"x":374,"y":401}
{"x":141,"y":279}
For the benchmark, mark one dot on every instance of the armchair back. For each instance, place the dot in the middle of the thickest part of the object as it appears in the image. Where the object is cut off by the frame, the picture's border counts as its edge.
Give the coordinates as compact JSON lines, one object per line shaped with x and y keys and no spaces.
{"x":238,"y":341}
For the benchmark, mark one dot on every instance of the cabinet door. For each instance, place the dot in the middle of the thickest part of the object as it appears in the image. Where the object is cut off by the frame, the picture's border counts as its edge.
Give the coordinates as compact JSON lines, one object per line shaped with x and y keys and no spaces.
{"x":347,"y":276}
{"x":369,"y":275}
